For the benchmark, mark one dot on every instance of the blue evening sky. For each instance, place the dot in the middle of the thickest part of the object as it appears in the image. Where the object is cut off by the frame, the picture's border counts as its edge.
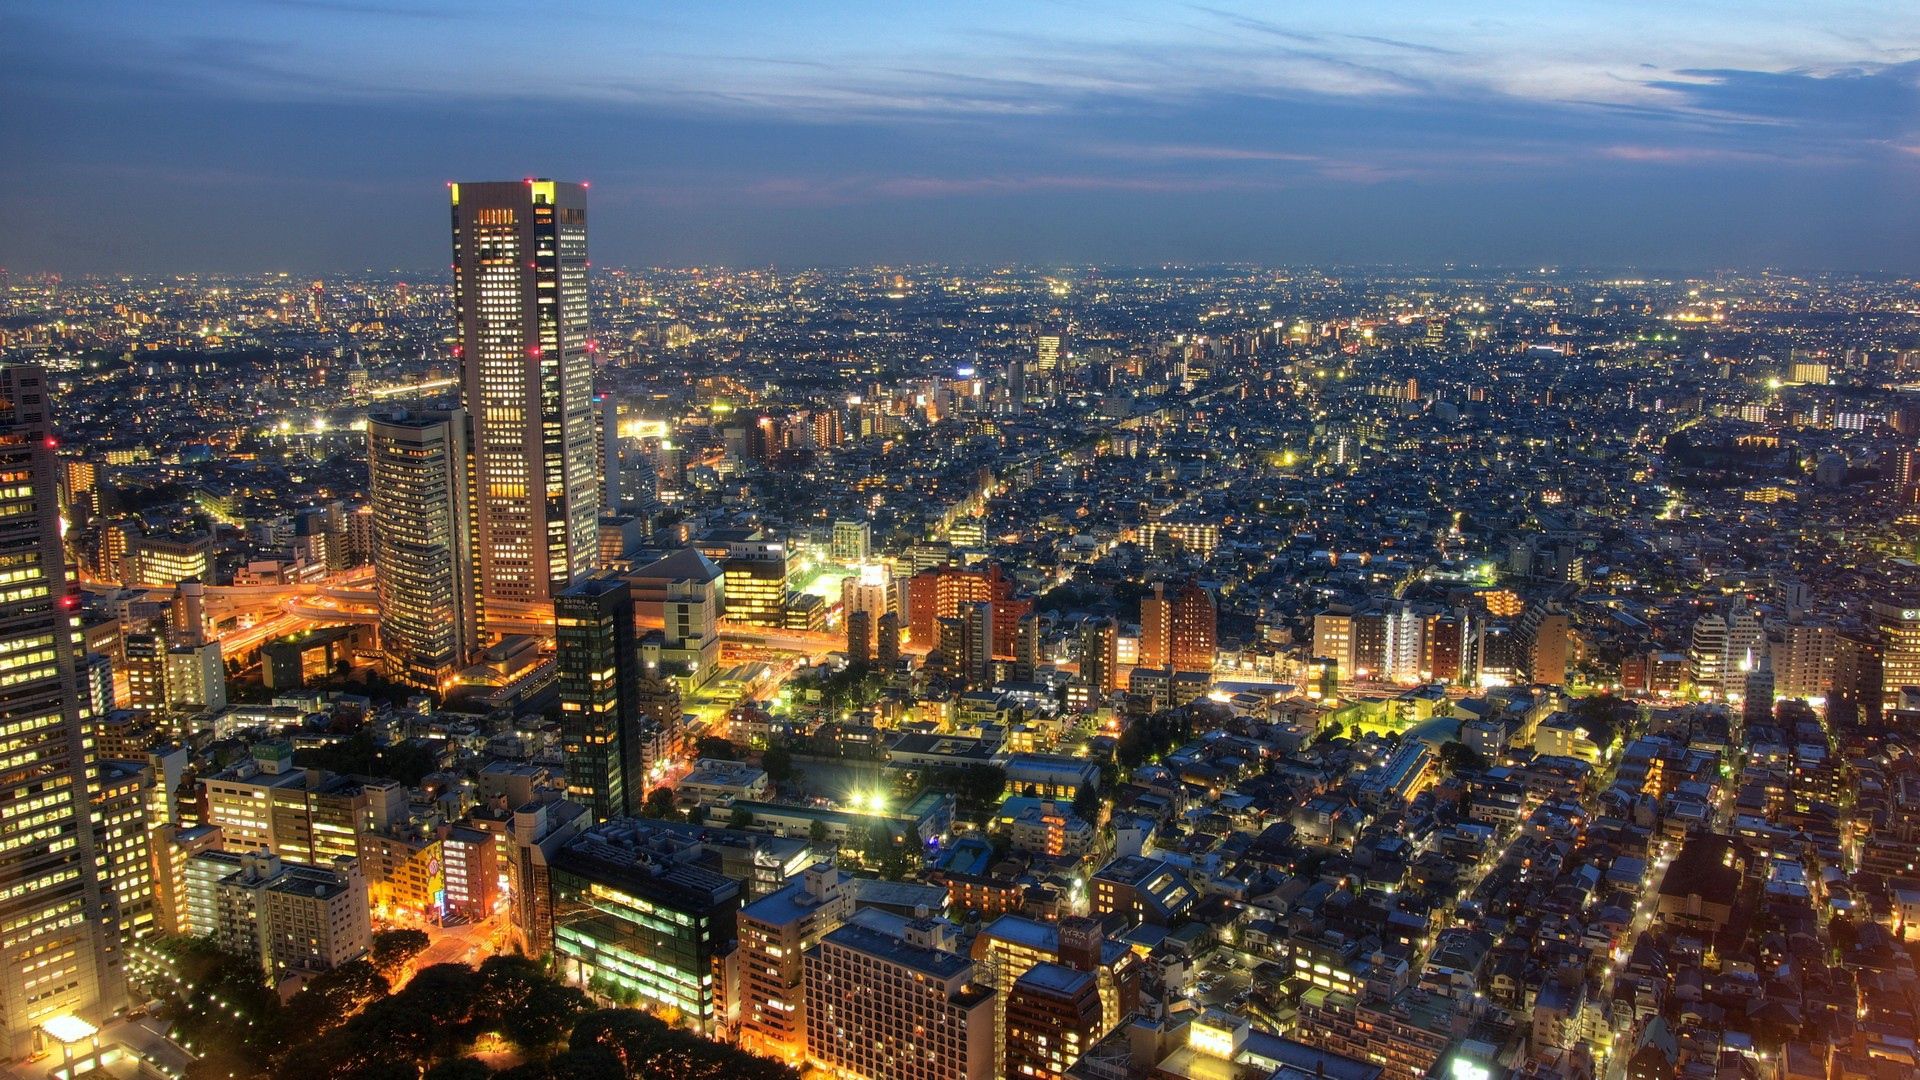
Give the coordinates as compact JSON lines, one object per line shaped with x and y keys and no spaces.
{"x":315,"y":135}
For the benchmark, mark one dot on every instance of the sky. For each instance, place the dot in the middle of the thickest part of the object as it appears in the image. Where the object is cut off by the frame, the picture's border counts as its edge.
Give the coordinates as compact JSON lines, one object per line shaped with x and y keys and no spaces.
{"x":318,"y":135}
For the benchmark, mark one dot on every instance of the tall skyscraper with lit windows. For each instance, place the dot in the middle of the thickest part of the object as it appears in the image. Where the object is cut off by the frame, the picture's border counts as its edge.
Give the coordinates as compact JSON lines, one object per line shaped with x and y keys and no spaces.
{"x":520,"y":287}
{"x":56,"y":935}
{"x":423,"y":565}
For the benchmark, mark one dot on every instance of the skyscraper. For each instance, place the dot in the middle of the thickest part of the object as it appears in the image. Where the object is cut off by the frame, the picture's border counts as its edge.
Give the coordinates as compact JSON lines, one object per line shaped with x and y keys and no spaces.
{"x":1099,"y":655}
{"x":520,"y":287}
{"x":1899,"y":623}
{"x":55,"y":957}
{"x":598,"y":657}
{"x":1178,"y":630}
{"x":423,"y":566}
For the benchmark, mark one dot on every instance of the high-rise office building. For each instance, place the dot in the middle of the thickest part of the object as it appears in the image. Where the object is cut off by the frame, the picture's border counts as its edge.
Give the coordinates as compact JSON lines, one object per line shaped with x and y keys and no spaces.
{"x":1052,"y":1018}
{"x":423,"y":567}
{"x":1180,"y":630}
{"x":641,"y":922}
{"x":891,"y":999}
{"x":520,"y":287}
{"x":1099,"y":656}
{"x":1899,"y":624}
{"x":775,"y":933}
{"x":57,"y":954}
{"x":598,"y":657}
{"x":852,"y":542}
{"x":1046,"y":351}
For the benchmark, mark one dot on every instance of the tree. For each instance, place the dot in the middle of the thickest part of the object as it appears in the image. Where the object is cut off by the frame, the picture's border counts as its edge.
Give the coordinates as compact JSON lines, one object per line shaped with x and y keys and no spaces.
{"x":331,"y":998}
{"x":713,"y":746}
{"x":1459,"y":758}
{"x":395,"y":949}
{"x":1086,"y":803}
{"x":778,"y":763}
{"x":1604,"y":716}
{"x":648,"y":1049}
{"x":360,"y":755}
{"x":465,"y":1068}
{"x":741,"y":818}
{"x":658,"y":803}
{"x":817,"y":832}
{"x":523,"y":1003}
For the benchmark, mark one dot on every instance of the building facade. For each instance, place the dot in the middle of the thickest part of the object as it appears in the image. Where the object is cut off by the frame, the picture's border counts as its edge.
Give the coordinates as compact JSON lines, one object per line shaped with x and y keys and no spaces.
{"x":57,"y":950}
{"x":423,"y":567}
{"x":520,"y":290}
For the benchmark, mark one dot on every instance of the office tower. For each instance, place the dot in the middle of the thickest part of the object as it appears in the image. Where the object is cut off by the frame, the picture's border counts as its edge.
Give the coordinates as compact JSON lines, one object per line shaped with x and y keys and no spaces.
{"x":1540,"y":644}
{"x":859,"y":638}
{"x":1026,"y":652}
{"x":941,"y":591}
{"x":423,"y":567}
{"x":196,"y":678}
{"x":685,"y":591}
{"x":977,"y":642}
{"x":637,"y":923}
{"x":1016,"y":385}
{"x":775,"y":933}
{"x":1707,"y":653}
{"x":290,"y":917}
{"x":1156,"y":627}
{"x":886,"y":648}
{"x":1803,"y":660}
{"x":871,"y":590}
{"x":1013,"y":945}
{"x":1332,"y":640}
{"x":146,"y":671}
{"x":1856,"y":695}
{"x":852,"y":542}
{"x":1179,"y":631}
{"x":471,"y":869}
{"x":1046,"y":352}
{"x":889,"y":999}
{"x":1756,"y":702}
{"x":599,"y":663}
{"x":169,"y":560}
{"x":57,"y":950}
{"x":1899,"y":625}
{"x":122,"y":797}
{"x":1053,"y":1017}
{"x":607,"y":413}
{"x":1099,"y":656}
{"x":520,"y":290}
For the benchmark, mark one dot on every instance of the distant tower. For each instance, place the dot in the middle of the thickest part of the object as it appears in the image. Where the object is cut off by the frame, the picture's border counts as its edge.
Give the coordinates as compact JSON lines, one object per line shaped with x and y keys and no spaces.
{"x":520,"y":291}
{"x":1100,"y":656}
{"x":1046,"y":351}
{"x":54,"y":951}
{"x":1026,"y":653}
{"x":859,"y":637}
{"x":598,"y":657}
{"x":887,"y":649}
{"x":423,"y":568}
{"x":1756,"y":702}
{"x":608,"y":409}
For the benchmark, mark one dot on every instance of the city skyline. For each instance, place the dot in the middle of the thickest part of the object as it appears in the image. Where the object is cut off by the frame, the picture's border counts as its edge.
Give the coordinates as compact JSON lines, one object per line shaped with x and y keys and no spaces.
{"x":1204,"y":541}
{"x":1594,"y":134}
